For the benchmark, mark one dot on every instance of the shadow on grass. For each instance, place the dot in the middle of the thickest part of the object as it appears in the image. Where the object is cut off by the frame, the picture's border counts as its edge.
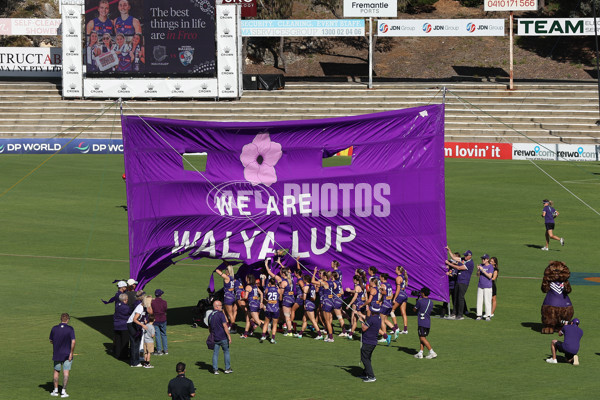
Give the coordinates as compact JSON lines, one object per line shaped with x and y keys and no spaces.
{"x":534,"y":246}
{"x":407,"y":350}
{"x":48,"y":386}
{"x":204,"y":366}
{"x":534,"y":326}
{"x":353,"y":370}
{"x":104,"y":323}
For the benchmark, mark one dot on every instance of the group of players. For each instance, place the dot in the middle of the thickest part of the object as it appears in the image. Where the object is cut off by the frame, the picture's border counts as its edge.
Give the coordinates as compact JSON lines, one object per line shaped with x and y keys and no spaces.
{"x":127,"y":44}
{"x":320,"y":294}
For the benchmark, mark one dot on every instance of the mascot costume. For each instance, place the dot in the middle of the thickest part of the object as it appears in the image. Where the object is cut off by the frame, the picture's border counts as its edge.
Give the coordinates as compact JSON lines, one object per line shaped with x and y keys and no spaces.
{"x":557,"y":305}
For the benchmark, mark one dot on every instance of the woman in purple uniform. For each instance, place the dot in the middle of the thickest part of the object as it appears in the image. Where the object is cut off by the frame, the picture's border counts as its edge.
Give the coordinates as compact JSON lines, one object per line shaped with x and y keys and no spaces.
{"x":123,"y":51}
{"x":310,"y":295}
{"x":254,"y":298}
{"x":228,"y":292}
{"x":387,"y":291}
{"x":326,"y":295}
{"x":101,"y":24}
{"x":338,"y":291}
{"x":299,"y":302}
{"x":400,"y":300}
{"x":357,"y":303}
{"x":273,"y":296}
{"x":549,"y":213}
{"x":125,"y":23}
{"x":286,"y":284}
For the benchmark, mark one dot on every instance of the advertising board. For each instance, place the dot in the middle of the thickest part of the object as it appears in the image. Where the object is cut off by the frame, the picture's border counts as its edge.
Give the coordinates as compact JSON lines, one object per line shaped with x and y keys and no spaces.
{"x":373,"y":8}
{"x":556,"y":26}
{"x":510,"y":5}
{"x":29,"y":26}
{"x":440,"y":27}
{"x":303,"y":27}
{"x":30,"y":61}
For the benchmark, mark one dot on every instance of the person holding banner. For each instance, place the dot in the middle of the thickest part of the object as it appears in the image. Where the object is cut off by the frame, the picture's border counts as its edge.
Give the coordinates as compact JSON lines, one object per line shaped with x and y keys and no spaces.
{"x":101,"y":24}
{"x":137,"y":54}
{"x":273,"y":296}
{"x":122,"y":50}
{"x":92,"y":51}
{"x":228,"y":292}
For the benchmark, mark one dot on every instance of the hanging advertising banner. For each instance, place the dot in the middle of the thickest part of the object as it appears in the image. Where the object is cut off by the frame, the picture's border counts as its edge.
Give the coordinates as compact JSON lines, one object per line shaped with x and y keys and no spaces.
{"x":29,"y":26}
{"x":374,"y":8}
{"x":510,"y":5}
{"x":490,"y":151}
{"x":30,"y":61}
{"x":556,"y":26}
{"x":440,"y":27}
{"x":576,"y":152}
{"x":173,"y":38}
{"x":303,"y":27}
{"x":72,"y":74}
{"x":64,"y":145}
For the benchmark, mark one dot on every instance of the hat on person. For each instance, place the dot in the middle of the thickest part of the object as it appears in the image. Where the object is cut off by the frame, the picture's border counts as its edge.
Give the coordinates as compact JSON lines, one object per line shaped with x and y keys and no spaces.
{"x":139,"y":294}
{"x":575,"y":321}
{"x":468,"y":253}
{"x":121,"y":284}
{"x":158,"y":293}
{"x":131,"y":282}
{"x":545,"y":201}
{"x":485,"y":256}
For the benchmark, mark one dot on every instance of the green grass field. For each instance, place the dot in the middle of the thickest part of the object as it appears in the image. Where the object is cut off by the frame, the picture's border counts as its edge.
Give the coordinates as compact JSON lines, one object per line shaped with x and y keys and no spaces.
{"x":63,"y":239}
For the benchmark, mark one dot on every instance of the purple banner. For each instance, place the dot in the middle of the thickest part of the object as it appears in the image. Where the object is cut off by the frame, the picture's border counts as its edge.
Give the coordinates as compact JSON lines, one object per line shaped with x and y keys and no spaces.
{"x":264,"y":188}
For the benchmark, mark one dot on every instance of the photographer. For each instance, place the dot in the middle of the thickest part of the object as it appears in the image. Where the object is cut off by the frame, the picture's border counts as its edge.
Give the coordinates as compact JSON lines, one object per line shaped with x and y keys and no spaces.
{"x":423,"y":308}
{"x":572,"y":333}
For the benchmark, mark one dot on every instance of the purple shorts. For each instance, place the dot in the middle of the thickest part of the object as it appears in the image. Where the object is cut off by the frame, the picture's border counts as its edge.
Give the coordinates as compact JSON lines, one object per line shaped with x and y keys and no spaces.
{"x":287,"y":302}
{"x":559,"y":347}
{"x":299,"y":301}
{"x":327,"y":305}
{"x":402,"y":298}
{"x":254,"y":306}
{"x":337,"y":303}
{"x":272,"y":314}
{"x":309,"y":306}
{"x":385,"y":310}
{"x":229,"y":299}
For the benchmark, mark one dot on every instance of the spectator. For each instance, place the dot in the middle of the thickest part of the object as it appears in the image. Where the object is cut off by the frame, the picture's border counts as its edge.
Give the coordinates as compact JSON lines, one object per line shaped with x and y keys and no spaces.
{"x":465,"y":270}
{"x":423,"y":308}
{"x":131,"y":285}
{"x":62,"y":338}
{"x":370,"y":328}
{"x":149,"y":334}
{"x":180,"y":387}
{"x":159,"y":307}
{"x":485,"y":272}
{"x":452,"y":276}
{"x":121,"y":337}
{"x":572,"y":333}
{"x":218,"y":326}
{"x":121,"y":288}
{"x":135,"y":325}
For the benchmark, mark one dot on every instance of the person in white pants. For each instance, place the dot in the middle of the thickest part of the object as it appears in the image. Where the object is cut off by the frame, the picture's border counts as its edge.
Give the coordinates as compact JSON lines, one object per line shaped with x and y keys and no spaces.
{"x":485,"y":271}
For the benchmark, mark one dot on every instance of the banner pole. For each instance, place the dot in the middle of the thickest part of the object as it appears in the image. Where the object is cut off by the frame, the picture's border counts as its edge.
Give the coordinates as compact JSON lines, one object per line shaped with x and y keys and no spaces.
{"x":510,"y":23}
{"x":597,"y":60}
{"x":370,"y":52}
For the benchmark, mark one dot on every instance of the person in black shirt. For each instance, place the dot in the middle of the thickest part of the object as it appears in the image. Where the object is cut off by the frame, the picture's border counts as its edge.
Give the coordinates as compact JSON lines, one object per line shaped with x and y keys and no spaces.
{"x":180,"y":387}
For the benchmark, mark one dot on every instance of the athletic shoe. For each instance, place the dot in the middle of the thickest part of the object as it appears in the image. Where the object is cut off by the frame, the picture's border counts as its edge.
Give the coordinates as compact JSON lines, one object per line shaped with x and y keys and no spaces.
{"x":273,"y":341}
{"x":382,"y":340}
{"x":320,"y":337}
{"x":478,"y":319}
{"x":64,"y":394}
{"x":544,"y":248}
{"x":369,"y":380}
{"x":419,"y":355}
{"x":551,"y":361}
{"x":165,"y":353}
{"x":432,"y":354}
{"x":343,"y":334}
{"x":262,"y":339}
{"x":137,"y":366}
{"x":396,"y":333}
{"x":450,"y":317}
{"x":404,"y":332}
{"x":157,"y":353}
{"x":460,"y":318}
{"x":329,"y":340}
{"x":492,"y":315}
{"x":350,"y":337}
{"x":54,"y":393}
{"x":298,"y":336}
{"x":243,"y":336}
{"x":488,"y":318}
{"x":575,"y":360}
{"x":229,"y":371}
{"x":562,"y":241}
{"x":216,"y":372}
{"x":289,"y":334}
{"x":148,"y":366}
{"x":388,"y":340}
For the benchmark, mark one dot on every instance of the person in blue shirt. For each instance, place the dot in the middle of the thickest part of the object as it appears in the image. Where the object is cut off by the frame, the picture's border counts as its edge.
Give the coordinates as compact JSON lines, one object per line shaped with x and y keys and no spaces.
{"x":423,"y":308}
{"x":549,"y":213}
{"x":370,"y":329}
{"x":62,"y":338}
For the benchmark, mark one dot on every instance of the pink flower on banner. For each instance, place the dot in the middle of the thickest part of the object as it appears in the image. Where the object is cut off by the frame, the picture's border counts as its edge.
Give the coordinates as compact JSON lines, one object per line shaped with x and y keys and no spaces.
{"x":259,"y":158}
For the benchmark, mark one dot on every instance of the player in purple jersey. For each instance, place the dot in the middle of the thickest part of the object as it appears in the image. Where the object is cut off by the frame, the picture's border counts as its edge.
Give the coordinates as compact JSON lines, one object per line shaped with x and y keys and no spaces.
{"x":387,"y":291}
{"x":286,"y":284}
{"x":101,"y":24}
{"x":357,"y":303}
{"x":254,"y":298}
{"x":326,"y":296}
{"x":122,"y":50}
{"x":338,"y":291}
{"x":299,"y":301}
{"x":125,"y":23}
{"x":228,"y":292}
{"x":549,"y":213}
{"x":273,"y":296}
{"x":400,"y":300}
{"x":310,"y":295}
